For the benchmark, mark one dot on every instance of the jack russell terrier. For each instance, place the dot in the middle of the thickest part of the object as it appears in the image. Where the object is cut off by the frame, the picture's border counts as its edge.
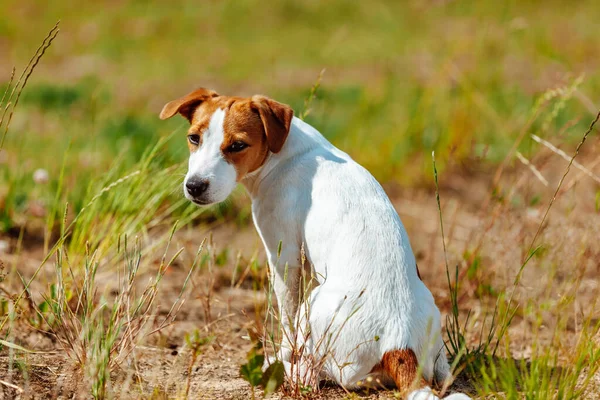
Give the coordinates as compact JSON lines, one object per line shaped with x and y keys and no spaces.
{"x":369,"y":314}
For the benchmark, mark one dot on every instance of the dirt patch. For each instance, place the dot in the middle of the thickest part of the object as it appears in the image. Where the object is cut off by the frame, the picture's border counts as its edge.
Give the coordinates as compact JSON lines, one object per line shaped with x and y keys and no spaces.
{"x":493,"y":232}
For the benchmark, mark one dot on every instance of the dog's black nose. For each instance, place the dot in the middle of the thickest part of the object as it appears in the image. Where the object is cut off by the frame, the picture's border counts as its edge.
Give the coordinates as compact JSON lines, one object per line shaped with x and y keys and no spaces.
{"x":196,"y":187}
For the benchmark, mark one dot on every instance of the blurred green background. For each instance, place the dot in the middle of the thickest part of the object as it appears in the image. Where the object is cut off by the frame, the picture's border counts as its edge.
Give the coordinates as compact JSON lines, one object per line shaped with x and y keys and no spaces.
{"x":402,"y":79}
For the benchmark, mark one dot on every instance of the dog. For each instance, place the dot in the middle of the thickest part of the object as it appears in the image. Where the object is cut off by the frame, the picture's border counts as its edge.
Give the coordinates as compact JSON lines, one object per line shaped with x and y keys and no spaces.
{"x":369,"y":315}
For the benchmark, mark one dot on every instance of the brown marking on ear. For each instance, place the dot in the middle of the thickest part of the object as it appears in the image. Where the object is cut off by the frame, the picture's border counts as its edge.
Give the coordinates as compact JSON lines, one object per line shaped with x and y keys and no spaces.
{"x":187,"y":104}
{"x":418,"y":273}
{"x":276,"y":119}
{"x":402,"y":367}
{"x":243,"y":124}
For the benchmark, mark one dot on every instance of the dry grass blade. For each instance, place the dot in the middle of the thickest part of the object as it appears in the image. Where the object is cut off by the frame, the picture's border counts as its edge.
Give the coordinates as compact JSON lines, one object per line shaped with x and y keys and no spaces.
{"x":313,"y":92}
{"x":532,"y":168}
{"x":15,"y":346}
{"x":64,"y":235}
{"x":531,"y":251}
{"x":8,"y":86}
{"x":562,"y":179}
{"x":102,"y":333}
{"x":12,"y":386}
{"x":580,"y":176}
{"x":22,"y":82}
{"x":586,"y":101}
{"x":437,"y":198}
{"x":562,"y":93}
{"x":565,"y":156}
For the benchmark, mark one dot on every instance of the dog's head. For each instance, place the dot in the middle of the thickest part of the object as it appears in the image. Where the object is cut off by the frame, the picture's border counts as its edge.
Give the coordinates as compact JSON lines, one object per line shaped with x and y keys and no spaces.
{"x":229,"y":137}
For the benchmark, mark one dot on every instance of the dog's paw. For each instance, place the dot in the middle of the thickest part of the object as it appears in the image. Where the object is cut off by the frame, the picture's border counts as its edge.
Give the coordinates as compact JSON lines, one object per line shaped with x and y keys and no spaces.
{"x":422,"y":394}
{"x":457,"y":396}
{"x":283,"y":355}
{"x":269,"y":360}
{"x":427,"y":394}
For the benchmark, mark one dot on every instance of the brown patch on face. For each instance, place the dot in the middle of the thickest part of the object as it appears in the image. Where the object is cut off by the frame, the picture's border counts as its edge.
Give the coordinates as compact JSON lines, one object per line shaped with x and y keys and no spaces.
{"x":243,"y":125}
{"x":200,"y":116}
{"x":260,"y":123}
{"x":402,"y":367}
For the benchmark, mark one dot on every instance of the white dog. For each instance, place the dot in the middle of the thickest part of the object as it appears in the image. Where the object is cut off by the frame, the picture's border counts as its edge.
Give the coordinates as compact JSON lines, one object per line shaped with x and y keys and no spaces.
{"x":369,"y":314}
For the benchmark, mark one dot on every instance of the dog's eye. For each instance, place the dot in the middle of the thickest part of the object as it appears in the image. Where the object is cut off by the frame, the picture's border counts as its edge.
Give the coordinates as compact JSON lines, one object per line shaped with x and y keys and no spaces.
{"x":194,"y":139}
{"x":237,"y":146}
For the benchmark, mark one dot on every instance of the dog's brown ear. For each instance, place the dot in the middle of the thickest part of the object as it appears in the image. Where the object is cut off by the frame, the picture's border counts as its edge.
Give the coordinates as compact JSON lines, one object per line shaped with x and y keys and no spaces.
{"x":276,"y":119}
{"x":186,"y":104}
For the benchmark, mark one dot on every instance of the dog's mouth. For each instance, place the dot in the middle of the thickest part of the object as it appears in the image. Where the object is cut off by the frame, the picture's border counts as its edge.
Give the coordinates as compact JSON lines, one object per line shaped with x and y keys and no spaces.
{"x":200,"y":202}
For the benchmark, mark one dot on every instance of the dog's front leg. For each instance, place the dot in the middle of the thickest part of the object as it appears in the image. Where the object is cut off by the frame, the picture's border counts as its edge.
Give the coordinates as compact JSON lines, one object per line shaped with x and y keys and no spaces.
{"x":285,"y":276}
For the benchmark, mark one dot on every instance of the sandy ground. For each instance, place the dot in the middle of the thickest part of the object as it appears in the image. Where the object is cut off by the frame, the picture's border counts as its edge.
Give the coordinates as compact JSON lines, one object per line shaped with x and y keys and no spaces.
{"x":502,"y":234}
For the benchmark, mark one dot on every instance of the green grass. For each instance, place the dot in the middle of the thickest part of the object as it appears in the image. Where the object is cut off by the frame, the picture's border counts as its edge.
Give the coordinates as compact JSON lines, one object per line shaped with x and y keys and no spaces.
{"x":470,"y":80}
{"x":459,"y":78}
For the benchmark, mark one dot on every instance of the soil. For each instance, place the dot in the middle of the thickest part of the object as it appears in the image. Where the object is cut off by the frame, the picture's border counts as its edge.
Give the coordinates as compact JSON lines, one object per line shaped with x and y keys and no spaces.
{"x":491,"y":231}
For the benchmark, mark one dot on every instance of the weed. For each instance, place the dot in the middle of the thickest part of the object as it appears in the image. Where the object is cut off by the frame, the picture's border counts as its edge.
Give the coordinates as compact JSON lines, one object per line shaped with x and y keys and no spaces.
{"x":195,"y":342}
{"x":541,"y":377}
{"x":405,"y":78}
{"x":11,"y":102}
{"x":97,"y":332}
{"x":252,"y":371}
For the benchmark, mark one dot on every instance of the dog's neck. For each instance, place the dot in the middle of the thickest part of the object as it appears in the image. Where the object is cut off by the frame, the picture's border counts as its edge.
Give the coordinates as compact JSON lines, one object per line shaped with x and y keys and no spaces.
{"x":301,"y":139}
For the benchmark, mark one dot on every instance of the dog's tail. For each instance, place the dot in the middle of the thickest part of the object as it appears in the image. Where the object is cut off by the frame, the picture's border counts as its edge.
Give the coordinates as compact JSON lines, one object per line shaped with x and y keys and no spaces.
{"x":402,"y":367}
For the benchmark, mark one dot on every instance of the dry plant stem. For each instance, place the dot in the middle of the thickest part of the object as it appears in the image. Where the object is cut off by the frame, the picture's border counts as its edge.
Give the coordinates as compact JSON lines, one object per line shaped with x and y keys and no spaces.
{"x":562,"y":179}
{"x":12,"y":386}
{"x":170,"y":317}
{"x":581,"y":175}
{"x":479,"y":100}
{"x":566,"y":157}
{"x":188,"y":384}
{"x":498,"y":207}
{"x":586,"y":101}
{"x":437,"y":198}
{"x":530,"y":253}
{"x":562,"y":93}
{"x":313,"y":92}
{"x":18,"y":88}
{"x":532,"y":168}
{"x":569,"y":125}
{"x":207,"y":297}
{"x":537,"y":109}
{"x":64,"y":234}
{"x":130,"y":317}
{"x":439,"y":206}
{"x":8,"y":85}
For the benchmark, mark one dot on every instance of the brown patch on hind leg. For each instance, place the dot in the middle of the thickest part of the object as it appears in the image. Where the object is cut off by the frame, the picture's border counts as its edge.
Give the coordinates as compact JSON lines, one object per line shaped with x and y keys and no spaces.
{"x":402,"y":367}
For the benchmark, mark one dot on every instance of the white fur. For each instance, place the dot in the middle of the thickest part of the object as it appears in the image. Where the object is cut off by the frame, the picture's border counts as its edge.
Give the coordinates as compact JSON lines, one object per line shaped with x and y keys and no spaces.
{"x":312,"y":194}
{"x":427,"y":394}
{"x":207,"y":163}
{"x":368,"y":299}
